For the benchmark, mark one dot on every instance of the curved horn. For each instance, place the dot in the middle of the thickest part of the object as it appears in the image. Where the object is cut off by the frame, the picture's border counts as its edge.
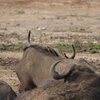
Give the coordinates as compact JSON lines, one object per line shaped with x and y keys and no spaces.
{"x":54,"y":73}
{"x":74,"y":53}
{"x":58,"y":76}
{"x":29,"y":39}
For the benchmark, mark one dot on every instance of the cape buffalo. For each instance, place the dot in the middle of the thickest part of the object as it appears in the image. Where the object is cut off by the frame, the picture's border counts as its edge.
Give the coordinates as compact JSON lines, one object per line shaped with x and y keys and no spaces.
{"x":34,"y":67}
{"x":6,"y":92}
{"x":89,"y":90}
{"x":72,"y":66}
{"x":85,"y":87}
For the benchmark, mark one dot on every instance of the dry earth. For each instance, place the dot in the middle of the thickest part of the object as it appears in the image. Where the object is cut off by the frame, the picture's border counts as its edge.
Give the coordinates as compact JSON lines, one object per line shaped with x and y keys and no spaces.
{"x":51,"y":21}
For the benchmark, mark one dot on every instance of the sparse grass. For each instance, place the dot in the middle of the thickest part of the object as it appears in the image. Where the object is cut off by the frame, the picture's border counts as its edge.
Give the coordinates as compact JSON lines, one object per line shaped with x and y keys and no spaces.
{"x":20,"y":12}
{"x":2,"y":33}
{"x":93,"y":48}
{"x":14,"y":34}
{"x":63,"y":47}
{"x":11,"y":47}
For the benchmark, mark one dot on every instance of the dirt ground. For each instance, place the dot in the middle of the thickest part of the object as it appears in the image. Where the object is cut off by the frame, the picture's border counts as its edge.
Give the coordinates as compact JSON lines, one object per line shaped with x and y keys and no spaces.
{"x":62,"y":21}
